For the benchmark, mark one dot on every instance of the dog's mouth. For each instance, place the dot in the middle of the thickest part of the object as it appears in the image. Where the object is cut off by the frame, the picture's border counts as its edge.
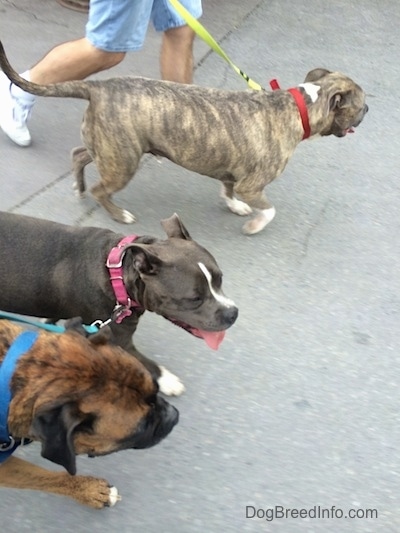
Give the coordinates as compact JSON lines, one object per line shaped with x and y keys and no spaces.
{"x":352,"y":128}
{"x":346,"y":131}
{"x":212,"y":338}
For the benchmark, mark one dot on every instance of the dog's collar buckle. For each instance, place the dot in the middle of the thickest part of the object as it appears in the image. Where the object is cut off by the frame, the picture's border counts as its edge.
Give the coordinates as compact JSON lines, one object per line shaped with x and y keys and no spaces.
{"x":121,"y":311}
{"x":123,"y":303}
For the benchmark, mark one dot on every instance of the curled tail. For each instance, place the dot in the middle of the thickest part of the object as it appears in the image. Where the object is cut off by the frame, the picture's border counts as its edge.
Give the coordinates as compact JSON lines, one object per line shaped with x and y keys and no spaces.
{"x":69,"y":89}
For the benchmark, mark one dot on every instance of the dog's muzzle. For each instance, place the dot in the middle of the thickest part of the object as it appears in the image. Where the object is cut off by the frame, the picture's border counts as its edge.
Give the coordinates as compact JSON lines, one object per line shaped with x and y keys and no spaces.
{"x":159,"y":422}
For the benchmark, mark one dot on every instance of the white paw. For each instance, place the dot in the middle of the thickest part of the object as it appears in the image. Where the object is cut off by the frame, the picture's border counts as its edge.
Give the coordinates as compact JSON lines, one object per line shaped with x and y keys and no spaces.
{"x":77,"y":192}
{"x":170,"y":384}
{"x":238,"y":207}
{"x":114,"y":497}
{"x":127,"y":217}
{"x":259,"y":222}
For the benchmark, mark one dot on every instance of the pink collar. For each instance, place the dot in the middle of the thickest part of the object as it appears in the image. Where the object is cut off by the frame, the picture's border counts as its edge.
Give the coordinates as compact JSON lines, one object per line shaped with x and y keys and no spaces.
{"x":301,"y":105}
{"x":124,"y":304}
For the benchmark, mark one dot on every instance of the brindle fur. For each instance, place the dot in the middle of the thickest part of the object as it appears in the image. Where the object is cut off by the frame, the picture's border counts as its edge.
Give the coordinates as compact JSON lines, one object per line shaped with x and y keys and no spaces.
{"x":242,"y":138}
{"x":79,"y":396}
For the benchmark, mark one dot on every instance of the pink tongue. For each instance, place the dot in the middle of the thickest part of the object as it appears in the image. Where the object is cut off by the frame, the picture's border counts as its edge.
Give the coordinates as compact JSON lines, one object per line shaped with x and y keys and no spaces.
{"x":212,"y":338}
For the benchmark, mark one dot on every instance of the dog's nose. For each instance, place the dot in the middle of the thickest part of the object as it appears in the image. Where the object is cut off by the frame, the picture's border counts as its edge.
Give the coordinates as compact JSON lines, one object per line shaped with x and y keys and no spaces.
{"x":366,"y":108}
{"x":229,"y":315}
{"x":171,"y":415}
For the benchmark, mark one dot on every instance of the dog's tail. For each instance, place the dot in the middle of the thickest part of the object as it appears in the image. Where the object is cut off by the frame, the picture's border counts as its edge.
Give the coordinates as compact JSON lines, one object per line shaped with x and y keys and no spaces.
{"x":71,"y":89}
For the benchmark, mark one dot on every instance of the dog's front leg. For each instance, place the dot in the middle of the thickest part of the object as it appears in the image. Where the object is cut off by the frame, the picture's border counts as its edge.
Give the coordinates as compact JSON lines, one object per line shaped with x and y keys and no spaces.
{"x":16,"y":473}
{"x":257,"y":200}
{"x":236,"y":206}
{"x":168,"y":382}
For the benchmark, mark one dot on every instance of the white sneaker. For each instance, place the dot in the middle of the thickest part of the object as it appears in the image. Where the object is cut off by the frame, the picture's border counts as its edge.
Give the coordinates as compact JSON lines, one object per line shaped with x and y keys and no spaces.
{"x":14,"y":113}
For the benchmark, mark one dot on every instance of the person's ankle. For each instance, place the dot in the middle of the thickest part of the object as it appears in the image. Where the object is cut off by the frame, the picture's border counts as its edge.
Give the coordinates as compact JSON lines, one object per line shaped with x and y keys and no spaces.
{"x":20,"y":95}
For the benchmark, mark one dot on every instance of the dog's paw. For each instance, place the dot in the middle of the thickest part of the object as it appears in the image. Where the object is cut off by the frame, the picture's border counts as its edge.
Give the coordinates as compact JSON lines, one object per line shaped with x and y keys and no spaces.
{"x":170,"y":384}
{"x":77,"y":191}
{"x":114,"y":497}
{"x":237,"y":206}
{"x":259,"y":222}
{"x":126,"y":217}
{"x":88,"y":490}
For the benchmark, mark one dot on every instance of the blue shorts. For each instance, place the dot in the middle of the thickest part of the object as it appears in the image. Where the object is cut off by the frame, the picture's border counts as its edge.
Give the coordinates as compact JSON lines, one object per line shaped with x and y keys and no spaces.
{"x":121,"y":25}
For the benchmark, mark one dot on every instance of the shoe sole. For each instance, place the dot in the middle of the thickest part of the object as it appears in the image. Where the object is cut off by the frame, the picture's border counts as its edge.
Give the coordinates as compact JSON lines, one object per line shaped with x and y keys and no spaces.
{"x":20,"y":142}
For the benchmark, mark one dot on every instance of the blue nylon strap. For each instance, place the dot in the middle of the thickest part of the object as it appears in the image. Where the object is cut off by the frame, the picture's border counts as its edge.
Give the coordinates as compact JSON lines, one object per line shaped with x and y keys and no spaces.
{"x":42,"y":325}
{"x":21,"y":345}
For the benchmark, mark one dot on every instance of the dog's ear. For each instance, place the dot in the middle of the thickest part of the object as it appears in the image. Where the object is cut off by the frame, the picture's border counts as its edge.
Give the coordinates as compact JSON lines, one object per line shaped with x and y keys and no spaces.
{"x":316,"y":74}
{"x":143,"y":260}
{"x":174,"y":227}
{"x":337,"y":100}
{"x":54,"y":427}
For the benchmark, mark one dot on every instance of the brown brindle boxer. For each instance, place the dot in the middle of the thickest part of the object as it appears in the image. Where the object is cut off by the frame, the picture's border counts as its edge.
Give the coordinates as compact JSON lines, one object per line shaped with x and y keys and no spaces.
{"x":242,"y":138}
{"x":77,"y":396}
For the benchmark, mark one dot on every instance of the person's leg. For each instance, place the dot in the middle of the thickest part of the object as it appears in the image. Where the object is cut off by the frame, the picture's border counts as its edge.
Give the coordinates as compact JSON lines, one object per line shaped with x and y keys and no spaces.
{"x":79,"y":59}
{"x":176,"y":57}
{"x":114,"y":27}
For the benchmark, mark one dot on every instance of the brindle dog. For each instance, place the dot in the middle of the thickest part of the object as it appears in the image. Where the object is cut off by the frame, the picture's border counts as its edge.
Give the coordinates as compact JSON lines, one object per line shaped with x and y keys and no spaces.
{"x":242,"y":138}
{"x":78,"y":396}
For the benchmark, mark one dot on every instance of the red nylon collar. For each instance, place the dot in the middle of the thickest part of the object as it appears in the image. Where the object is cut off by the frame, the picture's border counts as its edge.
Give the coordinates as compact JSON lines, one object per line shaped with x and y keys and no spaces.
{"x":124,"y":304}
{"x":301,"y":106}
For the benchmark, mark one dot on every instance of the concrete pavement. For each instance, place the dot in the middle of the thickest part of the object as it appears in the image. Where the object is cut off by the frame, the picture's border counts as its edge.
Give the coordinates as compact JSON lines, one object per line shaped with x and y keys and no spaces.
{"x":300,"y":406}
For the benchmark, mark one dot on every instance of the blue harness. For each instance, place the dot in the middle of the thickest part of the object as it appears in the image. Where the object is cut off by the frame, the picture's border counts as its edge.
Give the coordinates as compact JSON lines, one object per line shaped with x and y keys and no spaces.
{"x":20,"y":346}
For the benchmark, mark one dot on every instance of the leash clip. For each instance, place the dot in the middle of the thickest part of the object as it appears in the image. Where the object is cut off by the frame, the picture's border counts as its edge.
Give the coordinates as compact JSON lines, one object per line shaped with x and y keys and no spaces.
{"x":7,"y":446}
{"x":118,"y":314}
{"x":100,"y":324}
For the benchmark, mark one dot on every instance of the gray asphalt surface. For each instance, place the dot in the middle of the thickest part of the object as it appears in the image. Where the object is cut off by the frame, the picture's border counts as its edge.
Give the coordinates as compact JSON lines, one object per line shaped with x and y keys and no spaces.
{"x":300,"y":405}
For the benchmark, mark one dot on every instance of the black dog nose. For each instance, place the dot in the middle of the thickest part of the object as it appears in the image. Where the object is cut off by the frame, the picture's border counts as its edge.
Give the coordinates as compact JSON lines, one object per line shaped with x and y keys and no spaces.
{"x":171,"y":415}
{"x":230,"y":315}
{"x":366,"y":108}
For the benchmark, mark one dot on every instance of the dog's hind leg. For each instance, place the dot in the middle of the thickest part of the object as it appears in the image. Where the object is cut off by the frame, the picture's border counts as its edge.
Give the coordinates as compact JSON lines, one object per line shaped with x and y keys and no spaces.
{"x":16,"y":473}
{"x":236,"y":206}
{"x":80,"y":158}
{"x":102,"y":195}
{"x":114,"y":175}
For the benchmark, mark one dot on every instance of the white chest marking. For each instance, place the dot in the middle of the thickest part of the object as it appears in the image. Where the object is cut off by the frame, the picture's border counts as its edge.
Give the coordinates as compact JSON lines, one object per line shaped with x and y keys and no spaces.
{"x":220,"y":298}
{"x":311,"y":90}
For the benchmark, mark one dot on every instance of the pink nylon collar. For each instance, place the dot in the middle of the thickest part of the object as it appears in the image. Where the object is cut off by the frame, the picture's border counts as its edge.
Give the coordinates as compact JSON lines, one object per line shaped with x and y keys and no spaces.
{"x":124,"y":304}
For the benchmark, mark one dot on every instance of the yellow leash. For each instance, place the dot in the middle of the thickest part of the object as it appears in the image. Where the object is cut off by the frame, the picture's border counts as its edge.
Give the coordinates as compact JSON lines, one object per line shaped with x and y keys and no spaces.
{"x":212,"y":43}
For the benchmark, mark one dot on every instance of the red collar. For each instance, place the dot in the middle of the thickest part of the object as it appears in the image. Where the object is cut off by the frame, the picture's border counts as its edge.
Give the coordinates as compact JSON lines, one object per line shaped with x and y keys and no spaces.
{"x":124,"y":304}
{"x":301,"y":105}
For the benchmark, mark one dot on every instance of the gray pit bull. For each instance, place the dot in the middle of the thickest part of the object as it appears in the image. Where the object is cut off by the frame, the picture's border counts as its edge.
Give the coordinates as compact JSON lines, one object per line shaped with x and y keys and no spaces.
{"x":242,"y":138}
{"x":56,"y":271}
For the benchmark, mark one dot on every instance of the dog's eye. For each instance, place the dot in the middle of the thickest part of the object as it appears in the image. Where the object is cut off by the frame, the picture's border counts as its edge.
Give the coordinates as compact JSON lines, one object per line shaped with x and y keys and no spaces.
{"x":195,"y":302}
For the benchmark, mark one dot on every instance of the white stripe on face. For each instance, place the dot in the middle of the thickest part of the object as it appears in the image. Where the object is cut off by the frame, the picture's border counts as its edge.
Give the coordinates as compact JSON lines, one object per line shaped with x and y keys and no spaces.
{"x":220,"y":298}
